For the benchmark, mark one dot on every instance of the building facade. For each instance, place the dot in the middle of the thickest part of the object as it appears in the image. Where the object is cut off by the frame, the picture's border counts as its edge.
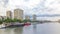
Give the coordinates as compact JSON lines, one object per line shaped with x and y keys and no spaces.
{"x":18,"y":14}
{"x":34,"y":17}
{"x":9,"y":14}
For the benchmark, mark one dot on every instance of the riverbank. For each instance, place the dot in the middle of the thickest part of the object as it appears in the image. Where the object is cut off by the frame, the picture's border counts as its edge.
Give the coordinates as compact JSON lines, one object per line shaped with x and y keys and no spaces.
{"x":8,"y":25}
{"x":12,"y":25}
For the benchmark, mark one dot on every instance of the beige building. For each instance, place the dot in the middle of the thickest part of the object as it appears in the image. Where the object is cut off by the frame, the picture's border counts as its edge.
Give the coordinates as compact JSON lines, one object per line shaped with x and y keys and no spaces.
{"x":18,"y":13}
{"x":34,"y":17}
{"x":9,"y":14}
{"x":27,"y":17}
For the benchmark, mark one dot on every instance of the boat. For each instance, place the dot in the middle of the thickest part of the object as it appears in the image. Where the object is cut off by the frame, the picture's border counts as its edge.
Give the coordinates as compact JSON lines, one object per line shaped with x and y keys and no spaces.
{"x":27,"y":23}
{"x":2,"y":26}
{"x":11,"y":25}
{"x":16,"y":25}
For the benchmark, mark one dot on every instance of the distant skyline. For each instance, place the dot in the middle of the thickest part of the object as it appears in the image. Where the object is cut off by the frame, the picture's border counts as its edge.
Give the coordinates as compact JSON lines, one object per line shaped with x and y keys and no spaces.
{"x":32,"y":6}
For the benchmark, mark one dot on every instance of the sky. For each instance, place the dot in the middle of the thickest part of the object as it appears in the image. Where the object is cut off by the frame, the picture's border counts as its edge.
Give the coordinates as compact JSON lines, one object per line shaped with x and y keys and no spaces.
{"x":30,"y":7}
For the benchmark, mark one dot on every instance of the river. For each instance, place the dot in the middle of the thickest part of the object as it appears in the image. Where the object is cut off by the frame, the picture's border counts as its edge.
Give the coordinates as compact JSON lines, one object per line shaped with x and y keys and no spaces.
{"x":45,"y":28}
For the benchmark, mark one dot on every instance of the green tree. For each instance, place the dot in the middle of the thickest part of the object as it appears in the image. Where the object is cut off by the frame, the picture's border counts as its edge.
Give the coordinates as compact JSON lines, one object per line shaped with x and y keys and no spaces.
{"x":1,"y":21}
{"x":26,"y":20}
{"x":8,"y":20}
{"x":17,"y":20}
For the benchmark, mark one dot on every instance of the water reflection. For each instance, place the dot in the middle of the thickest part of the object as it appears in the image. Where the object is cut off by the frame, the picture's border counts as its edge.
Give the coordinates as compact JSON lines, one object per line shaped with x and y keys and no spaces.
{"x":28,"y":30}
{"x":46,"y":28}
{"x":6,"y":31}
{"x":34,"y":29}
{"x":18,"y":30}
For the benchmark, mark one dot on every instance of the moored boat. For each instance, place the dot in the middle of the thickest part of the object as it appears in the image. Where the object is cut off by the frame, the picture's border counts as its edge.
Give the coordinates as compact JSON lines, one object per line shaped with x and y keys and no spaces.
{"x":27,"y":23}
{"x":11,"y":25}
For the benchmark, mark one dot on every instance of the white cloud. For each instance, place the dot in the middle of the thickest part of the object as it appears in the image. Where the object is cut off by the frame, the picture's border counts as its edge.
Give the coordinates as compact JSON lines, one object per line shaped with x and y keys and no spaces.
{"x":29,"y":4}
{"x":34,"y":6}
{"x":2,"y":11}
{"x":53,"y":4}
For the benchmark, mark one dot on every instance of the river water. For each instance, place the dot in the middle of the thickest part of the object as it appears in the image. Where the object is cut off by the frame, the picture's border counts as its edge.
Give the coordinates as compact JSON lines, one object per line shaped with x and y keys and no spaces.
{"x":45,"y":28}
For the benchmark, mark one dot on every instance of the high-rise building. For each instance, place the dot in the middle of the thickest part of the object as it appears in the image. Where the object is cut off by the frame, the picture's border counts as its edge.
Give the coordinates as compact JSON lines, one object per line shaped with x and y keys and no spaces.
{"x":34,"y":17}
{"x":18,"y":14}
{"x":9,"y":14}
{"x":27,"y":17}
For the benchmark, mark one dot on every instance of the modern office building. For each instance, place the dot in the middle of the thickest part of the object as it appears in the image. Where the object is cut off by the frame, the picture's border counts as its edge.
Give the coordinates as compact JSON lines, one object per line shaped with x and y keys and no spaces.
{"x":18,"y":14}
{"x":34,"y":17}
{"x":27,"y":17}
{"x":9,"y":14}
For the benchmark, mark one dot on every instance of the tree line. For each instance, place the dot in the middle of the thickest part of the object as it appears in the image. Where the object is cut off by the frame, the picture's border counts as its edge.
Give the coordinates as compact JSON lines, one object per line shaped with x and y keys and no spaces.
{"x":9,"y":20}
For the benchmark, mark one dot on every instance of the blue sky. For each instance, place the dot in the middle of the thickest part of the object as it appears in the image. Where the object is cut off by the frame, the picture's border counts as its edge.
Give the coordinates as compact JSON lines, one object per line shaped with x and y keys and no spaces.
{"x":38,"y":7}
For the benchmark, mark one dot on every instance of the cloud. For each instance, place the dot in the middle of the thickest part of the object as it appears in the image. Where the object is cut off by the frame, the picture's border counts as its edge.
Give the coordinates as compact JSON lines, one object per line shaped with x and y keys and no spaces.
{"x":34,"y":6}
{"x":3,"y":4}
{"x":47,"y":7}
{"x":29,"y":4}
{"x":26,"y":0}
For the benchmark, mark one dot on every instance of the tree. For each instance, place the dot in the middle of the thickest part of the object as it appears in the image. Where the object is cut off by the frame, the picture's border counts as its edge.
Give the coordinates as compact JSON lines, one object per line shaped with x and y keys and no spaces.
{"x":8,"y":20}
{"x":26,"y":20}
{"x":1,"y":21}
{"x":17,"y":20}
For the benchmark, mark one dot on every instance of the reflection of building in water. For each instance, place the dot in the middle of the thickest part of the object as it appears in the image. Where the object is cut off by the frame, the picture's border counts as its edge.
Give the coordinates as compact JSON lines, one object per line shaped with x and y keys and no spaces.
{"x":6,"y":31}
{"x":34,"y":26}
{"x":18,"y":30}
{"x":34,"y":29}
{"x":12,"y":31}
